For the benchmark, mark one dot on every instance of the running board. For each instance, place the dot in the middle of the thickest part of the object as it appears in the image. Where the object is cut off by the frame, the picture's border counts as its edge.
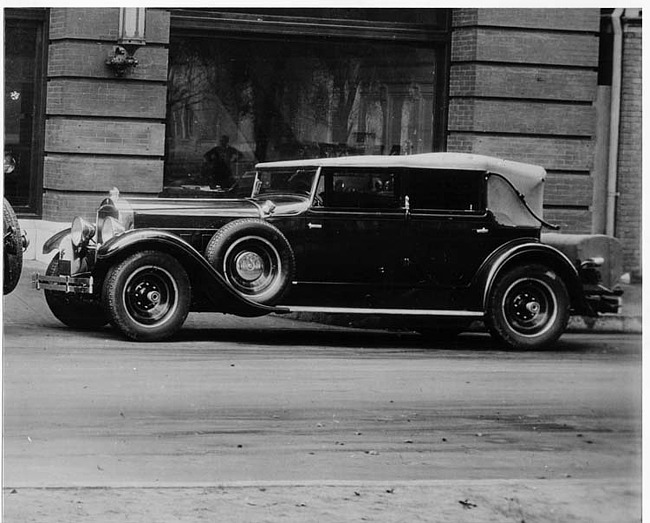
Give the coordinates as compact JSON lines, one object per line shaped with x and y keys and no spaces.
{"x":397,"y":312}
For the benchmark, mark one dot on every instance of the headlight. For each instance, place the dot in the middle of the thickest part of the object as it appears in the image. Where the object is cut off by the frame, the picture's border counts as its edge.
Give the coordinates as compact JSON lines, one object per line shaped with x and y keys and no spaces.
{"x":111,"y":227}
{"x":82,"y":231}
{"x":114,"y":216}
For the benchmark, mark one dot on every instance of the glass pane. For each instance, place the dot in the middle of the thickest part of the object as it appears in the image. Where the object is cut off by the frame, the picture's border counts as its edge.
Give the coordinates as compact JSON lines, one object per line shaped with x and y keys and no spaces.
{"x":20,"y":65}
{"x":285,"y":181}
{"x":439,"y":190}
{"x":281,"y":99}
{"x":365,"y":190}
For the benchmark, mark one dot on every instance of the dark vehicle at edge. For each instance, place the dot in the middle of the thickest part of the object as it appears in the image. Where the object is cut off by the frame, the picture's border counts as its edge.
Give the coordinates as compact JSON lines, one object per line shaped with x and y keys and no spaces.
{"x":15,"y":242}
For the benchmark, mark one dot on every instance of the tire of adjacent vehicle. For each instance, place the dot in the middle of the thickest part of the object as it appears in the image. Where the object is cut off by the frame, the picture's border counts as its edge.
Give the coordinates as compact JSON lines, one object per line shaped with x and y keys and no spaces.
{"x":528,"y":308}
{"x":254,"y":257}
{"x":74,"y":310}
{"x":147,"y":295}
{"x":13,"y":249}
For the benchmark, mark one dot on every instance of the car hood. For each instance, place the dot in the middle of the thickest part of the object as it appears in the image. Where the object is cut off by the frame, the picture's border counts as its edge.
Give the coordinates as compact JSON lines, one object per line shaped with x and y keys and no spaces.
{"x":146,"y":209}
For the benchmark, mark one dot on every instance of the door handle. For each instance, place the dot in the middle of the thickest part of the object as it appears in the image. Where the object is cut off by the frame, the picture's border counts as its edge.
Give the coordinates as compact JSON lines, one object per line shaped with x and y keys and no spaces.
{"x":315,"y":225}
{"x":482,"y":230}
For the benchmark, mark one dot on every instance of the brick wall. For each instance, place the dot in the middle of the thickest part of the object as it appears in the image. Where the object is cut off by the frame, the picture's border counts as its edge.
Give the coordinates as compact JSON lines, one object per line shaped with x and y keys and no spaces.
{"x":101,"y":131}
{"x":628,"y":211}
{"x":522,"y":86}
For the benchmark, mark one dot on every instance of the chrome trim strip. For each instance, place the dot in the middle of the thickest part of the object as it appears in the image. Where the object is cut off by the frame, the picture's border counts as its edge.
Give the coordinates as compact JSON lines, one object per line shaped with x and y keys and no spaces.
{"x":403,"y":312}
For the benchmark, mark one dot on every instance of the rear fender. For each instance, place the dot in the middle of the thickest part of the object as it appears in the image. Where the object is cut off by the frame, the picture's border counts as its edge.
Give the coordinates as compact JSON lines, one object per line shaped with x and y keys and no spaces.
{"x":519,"y":252}
{"x":221,"y":294}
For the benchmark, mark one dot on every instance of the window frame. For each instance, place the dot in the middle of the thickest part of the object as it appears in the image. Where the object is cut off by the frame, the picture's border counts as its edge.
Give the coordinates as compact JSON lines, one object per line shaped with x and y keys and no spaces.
{"x":262,"y":22}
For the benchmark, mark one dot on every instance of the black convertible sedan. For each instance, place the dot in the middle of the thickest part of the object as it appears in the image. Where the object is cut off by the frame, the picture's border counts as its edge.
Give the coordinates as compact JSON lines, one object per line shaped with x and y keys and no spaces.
{"x":433,"y":241}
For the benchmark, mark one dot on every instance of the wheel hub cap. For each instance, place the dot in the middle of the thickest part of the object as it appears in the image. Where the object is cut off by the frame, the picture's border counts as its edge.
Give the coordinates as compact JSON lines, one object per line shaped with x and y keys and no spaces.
{"x":529,"y":307}
{"x":533,"y":307}
{"x":253,"y":266}
{"x":147,"y":295}
{"x":249,"y":266}
{"x":526,"y":307}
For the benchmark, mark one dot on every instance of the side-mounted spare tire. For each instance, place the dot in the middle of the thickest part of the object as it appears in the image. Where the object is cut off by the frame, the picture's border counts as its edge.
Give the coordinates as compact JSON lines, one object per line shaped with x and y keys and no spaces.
{"x":79,"y":311}
{"x":13,"y":248}
{"x":528,"y":307}
{"x":254,"y":257}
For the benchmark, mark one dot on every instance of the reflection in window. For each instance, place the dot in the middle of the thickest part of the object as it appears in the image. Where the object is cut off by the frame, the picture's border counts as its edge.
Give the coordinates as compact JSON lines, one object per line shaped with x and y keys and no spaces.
{"x":365,"y":190}
{"x":294,"y":99}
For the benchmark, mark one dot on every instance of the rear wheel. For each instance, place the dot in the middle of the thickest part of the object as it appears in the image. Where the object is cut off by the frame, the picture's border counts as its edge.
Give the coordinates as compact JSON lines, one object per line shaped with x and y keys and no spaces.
{"x":147,"y":295}
{"x":528,"y":307}
{"x":78,"y":311}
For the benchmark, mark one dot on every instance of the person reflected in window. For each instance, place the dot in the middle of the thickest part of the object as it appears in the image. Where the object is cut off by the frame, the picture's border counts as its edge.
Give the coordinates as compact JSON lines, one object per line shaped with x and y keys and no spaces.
{"x":218,"y":164}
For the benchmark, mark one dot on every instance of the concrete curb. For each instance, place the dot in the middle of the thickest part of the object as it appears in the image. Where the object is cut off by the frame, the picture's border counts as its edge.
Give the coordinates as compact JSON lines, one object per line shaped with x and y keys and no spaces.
{"x":606,"y":324}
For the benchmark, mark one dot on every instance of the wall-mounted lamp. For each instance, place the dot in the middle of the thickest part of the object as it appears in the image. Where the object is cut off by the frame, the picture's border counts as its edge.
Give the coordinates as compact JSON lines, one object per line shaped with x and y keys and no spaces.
{"x":130,"y":38}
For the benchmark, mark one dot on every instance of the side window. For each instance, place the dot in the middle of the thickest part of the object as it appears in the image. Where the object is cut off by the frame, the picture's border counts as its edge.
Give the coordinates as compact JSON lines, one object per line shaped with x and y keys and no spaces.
{"x":446,"y":190}
{"x":362,"y":189}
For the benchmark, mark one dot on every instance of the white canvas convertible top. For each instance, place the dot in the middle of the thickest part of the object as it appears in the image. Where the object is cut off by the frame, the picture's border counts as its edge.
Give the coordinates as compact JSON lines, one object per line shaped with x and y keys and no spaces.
{"x":502,"y":200}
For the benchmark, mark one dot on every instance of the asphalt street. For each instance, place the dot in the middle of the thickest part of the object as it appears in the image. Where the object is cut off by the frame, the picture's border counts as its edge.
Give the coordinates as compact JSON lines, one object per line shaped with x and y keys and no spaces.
{"x":274,"y":419}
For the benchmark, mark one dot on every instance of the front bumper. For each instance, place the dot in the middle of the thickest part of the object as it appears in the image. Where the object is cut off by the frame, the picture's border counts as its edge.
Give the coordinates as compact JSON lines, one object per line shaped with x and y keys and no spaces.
{"x":66,"y":284}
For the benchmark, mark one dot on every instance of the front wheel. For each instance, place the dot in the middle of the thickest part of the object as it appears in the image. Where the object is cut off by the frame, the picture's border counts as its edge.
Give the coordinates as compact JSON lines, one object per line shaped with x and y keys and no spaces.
{"x":147,"y":296}
{"x":528,"y":307}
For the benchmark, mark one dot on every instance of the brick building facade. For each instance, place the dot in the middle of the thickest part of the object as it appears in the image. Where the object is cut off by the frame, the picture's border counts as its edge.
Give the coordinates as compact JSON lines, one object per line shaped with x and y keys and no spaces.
{"x":101,"y":131}
{"x":520,"y":84}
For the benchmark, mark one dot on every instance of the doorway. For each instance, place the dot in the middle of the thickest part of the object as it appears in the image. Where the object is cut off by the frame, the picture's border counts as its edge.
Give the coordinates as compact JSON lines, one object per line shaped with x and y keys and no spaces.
{"x":23,"y":108}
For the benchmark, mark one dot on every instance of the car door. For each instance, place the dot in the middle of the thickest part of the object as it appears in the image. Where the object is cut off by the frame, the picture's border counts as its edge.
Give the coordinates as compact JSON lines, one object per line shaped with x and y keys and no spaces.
{"x":355,"y":232}
{"x":450,"y":232}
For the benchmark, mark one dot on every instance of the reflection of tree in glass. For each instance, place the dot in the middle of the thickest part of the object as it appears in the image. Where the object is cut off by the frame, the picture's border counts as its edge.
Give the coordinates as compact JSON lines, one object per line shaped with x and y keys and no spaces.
{"x":283,"y":99}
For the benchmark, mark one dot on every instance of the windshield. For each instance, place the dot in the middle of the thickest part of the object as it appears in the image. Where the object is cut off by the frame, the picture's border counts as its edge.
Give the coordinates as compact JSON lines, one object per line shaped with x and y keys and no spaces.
{"x":285,"y":181}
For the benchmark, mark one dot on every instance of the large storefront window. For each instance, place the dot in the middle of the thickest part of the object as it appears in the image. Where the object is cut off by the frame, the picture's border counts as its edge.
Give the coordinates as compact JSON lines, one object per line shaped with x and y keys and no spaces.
{"x":233,"y":102}
{"x":23,"y":73}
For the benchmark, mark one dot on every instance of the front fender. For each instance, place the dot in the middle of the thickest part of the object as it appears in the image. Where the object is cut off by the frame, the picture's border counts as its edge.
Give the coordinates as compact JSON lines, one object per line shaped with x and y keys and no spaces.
{"x":54,"y":241}
{"x":531,"y":251}
{"x":222,"y":295}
